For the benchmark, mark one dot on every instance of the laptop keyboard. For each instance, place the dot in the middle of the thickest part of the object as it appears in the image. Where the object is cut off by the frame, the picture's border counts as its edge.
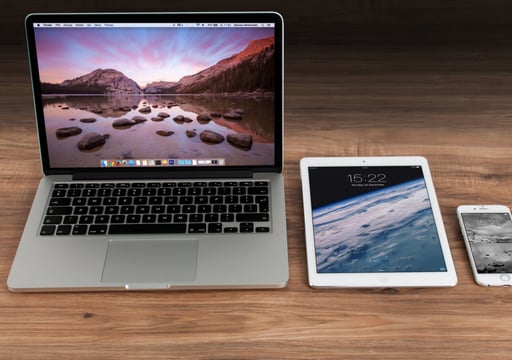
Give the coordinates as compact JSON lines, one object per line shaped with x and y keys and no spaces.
{"x":184,"y":207}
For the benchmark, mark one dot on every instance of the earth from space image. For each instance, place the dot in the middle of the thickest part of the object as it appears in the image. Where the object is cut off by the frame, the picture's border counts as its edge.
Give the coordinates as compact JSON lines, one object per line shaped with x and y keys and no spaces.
{"x":387,"y":230}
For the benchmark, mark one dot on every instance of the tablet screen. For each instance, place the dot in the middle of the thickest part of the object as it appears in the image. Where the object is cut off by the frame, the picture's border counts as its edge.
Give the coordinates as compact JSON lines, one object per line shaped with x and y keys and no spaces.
{"x":373,"y":219}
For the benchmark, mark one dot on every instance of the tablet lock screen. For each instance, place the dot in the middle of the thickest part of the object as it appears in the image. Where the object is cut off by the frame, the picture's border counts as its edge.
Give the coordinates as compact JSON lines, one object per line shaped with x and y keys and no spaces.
{"x":373,"y":219}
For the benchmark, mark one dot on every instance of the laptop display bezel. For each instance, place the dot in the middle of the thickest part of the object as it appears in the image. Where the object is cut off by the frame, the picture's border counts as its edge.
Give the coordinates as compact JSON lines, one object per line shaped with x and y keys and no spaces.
{"x":158,"y":18}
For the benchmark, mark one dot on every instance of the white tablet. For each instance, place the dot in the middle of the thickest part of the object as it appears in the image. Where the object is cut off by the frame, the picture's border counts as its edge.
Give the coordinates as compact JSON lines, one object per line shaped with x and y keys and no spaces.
{"x":373,"y":222}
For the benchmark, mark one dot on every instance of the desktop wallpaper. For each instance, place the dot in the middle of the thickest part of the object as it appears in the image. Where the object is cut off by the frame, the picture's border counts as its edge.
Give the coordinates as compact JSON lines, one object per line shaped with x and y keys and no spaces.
{"x":118,"y":96}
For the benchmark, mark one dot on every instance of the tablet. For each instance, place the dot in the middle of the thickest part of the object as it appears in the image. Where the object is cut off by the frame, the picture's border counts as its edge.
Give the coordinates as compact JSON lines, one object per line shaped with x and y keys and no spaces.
{"x":373,"y":222}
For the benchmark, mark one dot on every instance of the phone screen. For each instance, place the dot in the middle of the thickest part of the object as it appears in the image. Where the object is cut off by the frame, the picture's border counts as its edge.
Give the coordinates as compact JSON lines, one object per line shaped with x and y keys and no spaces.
{"x":490,"y":240}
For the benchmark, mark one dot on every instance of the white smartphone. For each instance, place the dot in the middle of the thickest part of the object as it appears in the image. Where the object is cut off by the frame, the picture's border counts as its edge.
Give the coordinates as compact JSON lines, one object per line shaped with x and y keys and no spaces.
{"x":487,"y":232}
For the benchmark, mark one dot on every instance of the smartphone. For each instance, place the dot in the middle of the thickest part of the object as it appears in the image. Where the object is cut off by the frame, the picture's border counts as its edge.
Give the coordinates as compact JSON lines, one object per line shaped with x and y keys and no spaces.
{"x":487,"y":232}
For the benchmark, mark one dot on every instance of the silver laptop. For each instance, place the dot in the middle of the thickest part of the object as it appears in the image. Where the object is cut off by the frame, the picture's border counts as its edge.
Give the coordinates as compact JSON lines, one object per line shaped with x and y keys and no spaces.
{"x":161,"y":146}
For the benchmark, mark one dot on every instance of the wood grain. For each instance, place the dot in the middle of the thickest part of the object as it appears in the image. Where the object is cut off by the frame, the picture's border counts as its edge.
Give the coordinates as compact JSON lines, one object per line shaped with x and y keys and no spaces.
{"x":451,"y":104}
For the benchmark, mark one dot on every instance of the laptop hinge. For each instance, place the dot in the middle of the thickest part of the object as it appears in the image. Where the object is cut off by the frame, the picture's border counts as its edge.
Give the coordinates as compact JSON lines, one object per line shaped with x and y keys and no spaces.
{"x":161,"y":175}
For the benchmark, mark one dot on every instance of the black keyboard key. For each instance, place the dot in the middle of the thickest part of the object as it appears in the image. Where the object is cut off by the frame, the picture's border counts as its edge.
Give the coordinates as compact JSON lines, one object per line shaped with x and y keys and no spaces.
{"x":211,"y":218}
{"x":246,"y":227}
{"x":149,"y":192}
{"x":147,"y":229}
{"x":60,"y":202}
{"x":59,"y":193}
{"x":158,"y":209}
{"x":230,"y":229}
{"x":97,"y":229}
{"x":224,"y":191}
{"x":133,"y":218}
{"x":220,"y":208}
{"x":59,"y":210}
{"x":117,"y":219}
{"x":110,"y":201}
{"x":102,"y":219}
{"x":201,"y":200}
{"x":86,"y":219}
{"x":73,"y":193}
{"x":197,"y":228}
{"x":203,"y":209}
{"x":60,"y":186}
{"x":104,"y":192}
{"x":215,"y":228}
{"x":63,"y":230}
{"x":81,"y":210}
{"x":164,"y":218}
{"x":79,"y":230}
{"x":250,"y":208}
{"x":127,"y":209}
{"x":216,"y":200}
{"x":173,"y":209}
{"x":155,"y":200}
{"x":247,"y":199}
{"x":89,"y":192}
{"x":94,"y":201}
{"x":70,"y":220}
{"x":196,"y":218}
{"x":47,"y":230}
{"x":258,"y":190}
{"x":262,"y":229}
{"x":148,"y":218}
{"x":210,"y":191}
{"x":239,"y":191}
{"x":52,"y":220}
{"x":186,"y":200}
{"x":111,"y":210}
{"x":188,"y":209}
{"x":227,"y":217}
{"x":232,"y":199}
{"x":125,"y":201}
{"x":79,"y":201}
{"x":96,"y":210}
{"x":140,"y":200}
{"x":180,"y":218}
{"x":143,"y":209}
{"x":235,"y":208}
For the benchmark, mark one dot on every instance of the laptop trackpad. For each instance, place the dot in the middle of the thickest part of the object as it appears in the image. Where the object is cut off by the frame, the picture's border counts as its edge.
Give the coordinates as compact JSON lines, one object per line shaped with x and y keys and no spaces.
{"x":150,"y":261}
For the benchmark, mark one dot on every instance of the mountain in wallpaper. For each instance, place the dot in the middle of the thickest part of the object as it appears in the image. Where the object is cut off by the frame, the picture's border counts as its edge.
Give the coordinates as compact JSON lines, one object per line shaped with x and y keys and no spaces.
{"x":251,"y":70}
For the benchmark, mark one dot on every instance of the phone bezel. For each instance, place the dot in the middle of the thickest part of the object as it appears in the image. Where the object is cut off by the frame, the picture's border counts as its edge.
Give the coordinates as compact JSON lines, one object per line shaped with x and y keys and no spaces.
{"x":486,"y":280}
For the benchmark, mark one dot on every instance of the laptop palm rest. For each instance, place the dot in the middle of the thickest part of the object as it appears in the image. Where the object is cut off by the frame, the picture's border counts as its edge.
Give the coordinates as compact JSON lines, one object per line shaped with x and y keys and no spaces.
{"x":133,"y":261}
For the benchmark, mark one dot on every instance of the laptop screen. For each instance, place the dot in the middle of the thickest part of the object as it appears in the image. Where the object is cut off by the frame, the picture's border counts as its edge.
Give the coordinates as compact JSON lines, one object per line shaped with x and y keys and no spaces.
{"x":152,"y":91}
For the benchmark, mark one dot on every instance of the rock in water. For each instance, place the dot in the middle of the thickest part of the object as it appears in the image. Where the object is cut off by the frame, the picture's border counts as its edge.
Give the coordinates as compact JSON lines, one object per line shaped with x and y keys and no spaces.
{"x":164,"y":133}
{"x":122,"y":123}
{"x":68,"y":131}
{"x":190,"y":133}
{"x":88,"y":120}
{"x":211,"y":137}
{"x":163,"y":115}
{"x":203,"y":117}
{"x":139,"y":119}
{"x":242,"y":141}
{"x":145,"y":110}
{"x":90,"y":141}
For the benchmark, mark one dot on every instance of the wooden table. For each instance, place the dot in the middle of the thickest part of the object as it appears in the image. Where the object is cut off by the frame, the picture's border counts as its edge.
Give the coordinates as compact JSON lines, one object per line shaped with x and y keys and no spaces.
{"x":452,"y":104}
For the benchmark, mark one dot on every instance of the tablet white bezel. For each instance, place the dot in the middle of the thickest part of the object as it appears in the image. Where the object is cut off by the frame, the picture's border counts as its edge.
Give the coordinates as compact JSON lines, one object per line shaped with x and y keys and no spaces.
{"x":371,"y":280}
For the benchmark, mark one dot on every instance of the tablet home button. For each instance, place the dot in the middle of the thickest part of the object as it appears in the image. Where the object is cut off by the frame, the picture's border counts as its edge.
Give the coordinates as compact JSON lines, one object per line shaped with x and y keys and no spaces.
{"x":505,"y":277}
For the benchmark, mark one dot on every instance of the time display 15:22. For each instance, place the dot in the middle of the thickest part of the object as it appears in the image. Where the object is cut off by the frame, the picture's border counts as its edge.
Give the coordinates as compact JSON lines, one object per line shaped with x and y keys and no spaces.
{"x":369,"y":179}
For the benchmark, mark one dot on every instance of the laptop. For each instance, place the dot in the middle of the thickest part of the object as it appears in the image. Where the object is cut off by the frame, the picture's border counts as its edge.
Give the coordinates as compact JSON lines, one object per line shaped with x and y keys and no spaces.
{"x":161,"y":138}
